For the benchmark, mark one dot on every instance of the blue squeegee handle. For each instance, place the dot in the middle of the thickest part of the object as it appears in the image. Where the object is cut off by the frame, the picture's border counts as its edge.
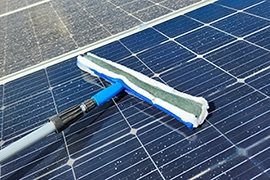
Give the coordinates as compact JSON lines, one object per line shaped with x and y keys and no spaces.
{"x":69,"y":116}
{"x":60,"y":121}
{"x":108,"y":93}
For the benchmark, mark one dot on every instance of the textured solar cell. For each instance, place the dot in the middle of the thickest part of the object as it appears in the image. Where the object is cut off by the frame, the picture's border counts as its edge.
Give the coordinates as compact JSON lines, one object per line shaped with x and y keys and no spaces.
{"x":24,"y":87}
{"x":222,"y":56}
{"x":261,"y":38}
{"x":241,"y":24}
{"x":143,"y":40}
{"x":261,"y":82}
{"x":238,"y":4}
{"x":261,"y":9}
{"x":204,"y":40}
{"x":210,"y":13}
{"x":1,"y":95}
{"x":240,"y":58}
{"x":114,"y":51}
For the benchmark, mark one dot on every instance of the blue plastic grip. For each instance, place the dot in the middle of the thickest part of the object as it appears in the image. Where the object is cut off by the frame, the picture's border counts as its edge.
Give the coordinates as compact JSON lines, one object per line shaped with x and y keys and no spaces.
{"x":108,"y":93}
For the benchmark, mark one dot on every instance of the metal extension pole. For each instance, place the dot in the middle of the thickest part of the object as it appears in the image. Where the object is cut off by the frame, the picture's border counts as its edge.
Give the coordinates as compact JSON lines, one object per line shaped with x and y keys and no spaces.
{"x":26,"y":141}
{"x":61,"y":121}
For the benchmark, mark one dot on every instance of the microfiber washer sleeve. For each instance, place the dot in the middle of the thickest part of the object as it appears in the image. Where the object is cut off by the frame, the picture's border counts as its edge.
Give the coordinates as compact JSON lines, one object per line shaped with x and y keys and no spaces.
{"x":190,"y":110}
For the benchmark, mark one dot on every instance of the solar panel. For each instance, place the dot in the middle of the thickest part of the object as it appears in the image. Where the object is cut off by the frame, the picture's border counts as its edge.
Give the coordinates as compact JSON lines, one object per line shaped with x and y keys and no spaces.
{"x":222,"y":56}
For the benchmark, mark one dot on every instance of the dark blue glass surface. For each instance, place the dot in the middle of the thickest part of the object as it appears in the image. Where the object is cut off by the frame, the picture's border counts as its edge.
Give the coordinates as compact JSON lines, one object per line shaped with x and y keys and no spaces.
{"x":119,"y":159}
{"x":177,"y":26}
{"x":241,"y":24}
{"x":261,"y":9}
{"x":261,"y":38}
{"x":198,"y":78}
{"x":27,"y":114}
{"x":63,"y":173}
{"x":134,"y":63}
{"x":261,"y":82}
{"x":204,"y":40}
{"x":246,"y":169}
{"x":1,"y":122}
{"x":100,"y":128}
{"x":25,"y":86}
{"x":63,"y":72}
{"x":143,"y":40}
{"x":138,"y":112}
{"x":238,"y":4}
{"x":1,"y":95}
{"x":113,"y":51}
{"x":165,"y":56}
{"x":176,"y":151}
{"x":210,"y":13}
{"x":241,"y":59}
{"x":75,"y":92}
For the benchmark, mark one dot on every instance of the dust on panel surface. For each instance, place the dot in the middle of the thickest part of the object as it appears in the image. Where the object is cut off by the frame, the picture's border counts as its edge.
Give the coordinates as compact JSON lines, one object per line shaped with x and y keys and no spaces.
{"x":33,"y":31}
{"x":128,"y":138}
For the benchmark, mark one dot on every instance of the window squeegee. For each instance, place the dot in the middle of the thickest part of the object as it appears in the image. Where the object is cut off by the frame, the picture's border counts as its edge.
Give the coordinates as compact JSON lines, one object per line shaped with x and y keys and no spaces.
{"x":190,"y":110}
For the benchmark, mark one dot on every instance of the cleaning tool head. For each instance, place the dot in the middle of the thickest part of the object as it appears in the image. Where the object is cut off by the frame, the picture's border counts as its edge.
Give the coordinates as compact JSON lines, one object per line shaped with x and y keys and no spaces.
{"x":188,"y":109}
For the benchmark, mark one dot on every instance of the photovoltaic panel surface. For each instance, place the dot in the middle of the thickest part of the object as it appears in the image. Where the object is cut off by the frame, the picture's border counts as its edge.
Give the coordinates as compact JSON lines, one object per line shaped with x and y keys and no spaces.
{"x":222,"y":56}
{"x":35,"y":31}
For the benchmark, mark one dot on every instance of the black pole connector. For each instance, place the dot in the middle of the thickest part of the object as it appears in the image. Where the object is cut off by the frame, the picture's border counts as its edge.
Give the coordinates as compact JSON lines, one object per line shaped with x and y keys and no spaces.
{"x":89,"y":104}
{"x":65,"y":118}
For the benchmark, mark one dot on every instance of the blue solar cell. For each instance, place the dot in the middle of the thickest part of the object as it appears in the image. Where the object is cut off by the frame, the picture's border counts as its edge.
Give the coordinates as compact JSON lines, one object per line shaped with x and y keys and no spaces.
{"x":262,"y":176}
{"x":197,"y":78}
{"x":61,"y":173}
{"x":262,"y":149}
{"x":174,"y":153}
{"x":241,"y":59}
{"x":74,"y":92}
{"x":177,"y":26}
{"x":1,"y":122}
{"x":25,"y":86}
{"x":143,"y":40}
{"x":235,"y":166}
{"x":261,"y":82}
{"x":63,"y":72}
{"x":222,"y":99}
{"x":111,"y":161}
{"x":261,"y":38}
{"x":261,"y":9}
{"x":238,"y":4}
{"x":241,"y":24}
{"x":210,"y":13}
{"x":113,"y":51}
{"x":28,"y":114}
{"x":241,"y":127}
{"x":1,"y":95}
{"x":135,"y":64}
{"x":261,"y":154}
{"x":138,"y":112}
{"x":204,"y":40}
{"x":246,"y":168}
{"x":153,"y":175}
{"x":240,"y":112}
{"x":165,"y":56}
{"x":108,"y":125}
